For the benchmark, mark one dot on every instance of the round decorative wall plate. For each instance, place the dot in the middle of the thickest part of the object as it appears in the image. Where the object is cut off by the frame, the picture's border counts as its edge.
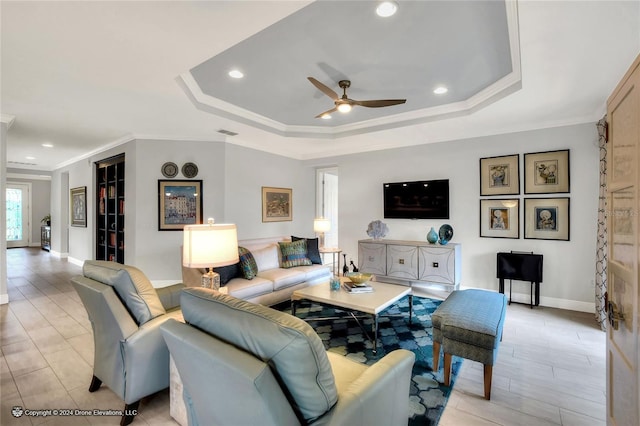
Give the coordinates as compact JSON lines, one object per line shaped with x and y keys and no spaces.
{"x":189,"y":170}
{"x":169,"y":169}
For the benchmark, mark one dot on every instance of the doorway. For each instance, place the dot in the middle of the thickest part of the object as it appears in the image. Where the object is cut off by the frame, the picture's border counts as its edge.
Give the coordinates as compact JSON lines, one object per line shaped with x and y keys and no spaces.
{"x":18,"y":212}
{"x":327,"y":202}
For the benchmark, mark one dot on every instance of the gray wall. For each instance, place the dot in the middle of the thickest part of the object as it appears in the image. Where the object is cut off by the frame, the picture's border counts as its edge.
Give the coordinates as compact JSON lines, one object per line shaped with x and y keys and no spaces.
{"x":248,"y":171}
{"x":568,"y":266}
{"x":233,"y":177}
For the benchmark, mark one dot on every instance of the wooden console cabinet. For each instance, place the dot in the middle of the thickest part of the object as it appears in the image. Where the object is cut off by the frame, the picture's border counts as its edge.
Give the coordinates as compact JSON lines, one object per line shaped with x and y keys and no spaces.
{"x":407,"y":262}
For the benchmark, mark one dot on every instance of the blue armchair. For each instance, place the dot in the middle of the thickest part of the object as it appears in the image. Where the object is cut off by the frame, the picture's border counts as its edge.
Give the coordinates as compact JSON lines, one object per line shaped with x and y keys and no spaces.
{"x":247,"y":364}
{"x":130,"y":355}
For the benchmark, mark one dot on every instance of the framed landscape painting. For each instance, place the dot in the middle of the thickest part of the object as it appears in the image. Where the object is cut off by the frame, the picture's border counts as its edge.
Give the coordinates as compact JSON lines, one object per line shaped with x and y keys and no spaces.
{"x":546,"y":172}
{"x":500,"y":175}
{"x":276,"y":204}
{"x":500,"y":218}
{"x":179,"y":204}
{"x":546,"y":218}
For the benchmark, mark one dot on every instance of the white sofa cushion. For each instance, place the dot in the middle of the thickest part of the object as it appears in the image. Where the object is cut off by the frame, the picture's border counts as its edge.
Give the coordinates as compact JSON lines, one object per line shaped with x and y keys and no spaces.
{"x":267,"y":257}
{"x":247,"y":289}
{"x":283,"y":278}
{"x":314,"y":271}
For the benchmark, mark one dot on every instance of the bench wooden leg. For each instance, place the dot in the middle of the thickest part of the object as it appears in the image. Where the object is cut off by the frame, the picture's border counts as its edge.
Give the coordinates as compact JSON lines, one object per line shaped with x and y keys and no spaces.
{"x":436,"y":355}
{"x":488,"y":372}
{"x":447,"y":369}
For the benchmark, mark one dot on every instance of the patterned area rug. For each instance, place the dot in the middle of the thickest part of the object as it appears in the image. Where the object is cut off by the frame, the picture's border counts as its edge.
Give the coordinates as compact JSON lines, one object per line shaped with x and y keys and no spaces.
{"x":428,"y":397}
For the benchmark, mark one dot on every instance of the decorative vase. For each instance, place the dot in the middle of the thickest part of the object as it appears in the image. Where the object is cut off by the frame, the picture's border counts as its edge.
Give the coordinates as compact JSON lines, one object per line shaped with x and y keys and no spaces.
{"x":432,"y":236}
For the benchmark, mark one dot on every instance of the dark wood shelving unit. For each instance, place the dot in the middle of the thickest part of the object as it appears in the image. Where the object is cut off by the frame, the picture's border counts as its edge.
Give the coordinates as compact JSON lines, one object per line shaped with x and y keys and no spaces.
{"x":110,"y":204}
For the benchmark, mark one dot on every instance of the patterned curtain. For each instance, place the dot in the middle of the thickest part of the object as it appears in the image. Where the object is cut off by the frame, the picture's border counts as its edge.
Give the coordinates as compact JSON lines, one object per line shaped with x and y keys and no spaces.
{"x":601,"y":248}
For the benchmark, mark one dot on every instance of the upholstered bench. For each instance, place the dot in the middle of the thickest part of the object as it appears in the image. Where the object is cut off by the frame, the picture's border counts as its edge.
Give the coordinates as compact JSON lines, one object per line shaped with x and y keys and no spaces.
{"x":469,"y":324}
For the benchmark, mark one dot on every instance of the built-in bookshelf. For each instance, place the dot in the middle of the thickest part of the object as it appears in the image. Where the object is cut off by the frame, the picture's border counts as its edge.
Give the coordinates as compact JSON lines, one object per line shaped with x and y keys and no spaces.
{"x":110,"y":203}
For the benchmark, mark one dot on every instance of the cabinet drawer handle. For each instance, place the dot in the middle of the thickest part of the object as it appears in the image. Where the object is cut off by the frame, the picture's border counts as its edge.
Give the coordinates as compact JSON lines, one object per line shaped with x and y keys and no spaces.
{"x":435,"y":264}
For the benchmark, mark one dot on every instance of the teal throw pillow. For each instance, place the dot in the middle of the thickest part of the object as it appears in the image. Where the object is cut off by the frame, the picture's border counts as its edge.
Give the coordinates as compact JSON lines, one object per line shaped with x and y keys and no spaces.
{"x":294,"y":254}
{"x":248,"y":264}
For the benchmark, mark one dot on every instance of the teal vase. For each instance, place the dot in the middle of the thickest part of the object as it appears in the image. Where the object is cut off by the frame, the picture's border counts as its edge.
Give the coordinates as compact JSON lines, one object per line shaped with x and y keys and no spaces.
{"x":432,"y":236}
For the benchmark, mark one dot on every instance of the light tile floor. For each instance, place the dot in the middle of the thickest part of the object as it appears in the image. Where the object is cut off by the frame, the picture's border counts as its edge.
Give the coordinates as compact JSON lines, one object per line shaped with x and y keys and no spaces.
{"x":550,"y":368}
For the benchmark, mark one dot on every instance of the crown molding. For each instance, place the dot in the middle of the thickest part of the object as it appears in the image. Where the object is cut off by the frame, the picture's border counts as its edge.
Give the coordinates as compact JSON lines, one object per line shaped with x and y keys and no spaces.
{"x":7,"y":119}
{"x":503,"y":87}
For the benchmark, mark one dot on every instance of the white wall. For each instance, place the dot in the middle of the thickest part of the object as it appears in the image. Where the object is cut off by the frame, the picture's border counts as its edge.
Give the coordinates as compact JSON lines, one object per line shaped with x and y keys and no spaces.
{"x":233,"y":177}
{"x":568,"y":266}
{"x":156,"y":252}
{"x":248,"y":171}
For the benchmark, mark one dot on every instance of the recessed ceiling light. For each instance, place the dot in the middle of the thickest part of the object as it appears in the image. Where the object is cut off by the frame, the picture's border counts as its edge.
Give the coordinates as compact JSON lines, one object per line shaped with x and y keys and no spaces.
{"x":236,"y":74}
{"x":440,"y":90}
{"x":47,"y":145}
{"x":30,"y":158}
{"x":326,"y":116}
{"x":387,"y":8}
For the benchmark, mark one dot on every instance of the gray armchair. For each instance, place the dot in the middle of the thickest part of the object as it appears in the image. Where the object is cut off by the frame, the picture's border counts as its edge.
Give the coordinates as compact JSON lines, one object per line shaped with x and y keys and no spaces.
{"x":130,"y":355}
{"x":246,"y":364}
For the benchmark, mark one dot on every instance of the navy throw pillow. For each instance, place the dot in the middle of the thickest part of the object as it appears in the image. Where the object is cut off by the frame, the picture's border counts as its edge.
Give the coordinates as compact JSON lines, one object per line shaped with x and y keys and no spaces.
{"x":313,"y":253}
{"x":227,"y":273}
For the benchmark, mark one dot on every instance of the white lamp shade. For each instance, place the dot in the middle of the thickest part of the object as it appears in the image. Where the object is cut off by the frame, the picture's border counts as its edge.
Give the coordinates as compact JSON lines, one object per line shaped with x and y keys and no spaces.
{"x":210,"y":245}
{"x":321,"y":225}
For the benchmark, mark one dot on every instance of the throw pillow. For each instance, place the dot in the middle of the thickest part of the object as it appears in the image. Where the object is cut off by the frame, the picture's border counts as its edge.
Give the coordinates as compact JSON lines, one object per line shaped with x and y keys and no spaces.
{"x":227,"y":273}
{"x":248,"y":264}
{"x":313,"y":253}
{"x":294,"y":254}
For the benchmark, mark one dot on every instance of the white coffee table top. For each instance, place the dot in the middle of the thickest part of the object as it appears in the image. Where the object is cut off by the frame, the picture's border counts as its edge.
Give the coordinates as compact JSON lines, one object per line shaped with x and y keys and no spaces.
{"x":382,"y":296}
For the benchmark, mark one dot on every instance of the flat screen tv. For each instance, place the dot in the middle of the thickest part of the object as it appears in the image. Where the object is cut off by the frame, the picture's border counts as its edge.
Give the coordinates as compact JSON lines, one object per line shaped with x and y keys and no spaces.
{"x":425,"y":199}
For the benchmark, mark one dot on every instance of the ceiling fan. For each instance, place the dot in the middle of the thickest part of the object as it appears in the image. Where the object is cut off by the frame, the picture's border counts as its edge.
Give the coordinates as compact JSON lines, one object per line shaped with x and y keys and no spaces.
{"x":344,"y":104}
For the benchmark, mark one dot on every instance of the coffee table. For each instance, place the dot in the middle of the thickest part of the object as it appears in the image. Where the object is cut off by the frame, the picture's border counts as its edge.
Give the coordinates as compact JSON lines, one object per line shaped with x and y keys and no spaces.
{"x":374,"y":303}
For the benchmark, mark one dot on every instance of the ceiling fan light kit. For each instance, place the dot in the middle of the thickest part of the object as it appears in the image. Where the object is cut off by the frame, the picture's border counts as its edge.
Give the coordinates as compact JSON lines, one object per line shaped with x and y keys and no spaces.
{"x":344,"y":104}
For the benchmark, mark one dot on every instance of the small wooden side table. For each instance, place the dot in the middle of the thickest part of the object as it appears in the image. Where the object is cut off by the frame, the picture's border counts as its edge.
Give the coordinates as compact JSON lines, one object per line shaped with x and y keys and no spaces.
{"x":335,"y":253}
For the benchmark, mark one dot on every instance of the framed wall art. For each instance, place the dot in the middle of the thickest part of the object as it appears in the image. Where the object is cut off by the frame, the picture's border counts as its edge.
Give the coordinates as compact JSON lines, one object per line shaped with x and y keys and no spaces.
{"x":546,"y":218}
{"x":78,"y":198}
{"x":276,"y":204}
{"x":500,"y":175}
{"x":500,"y":218}
{"x":179,"y":204}
{"x":546,"y":172}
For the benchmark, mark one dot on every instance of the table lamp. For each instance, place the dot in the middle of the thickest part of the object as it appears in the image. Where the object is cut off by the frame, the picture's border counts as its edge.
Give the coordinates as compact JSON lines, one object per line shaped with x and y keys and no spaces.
{"x":210,"y":246}
{"x":320,"y":226}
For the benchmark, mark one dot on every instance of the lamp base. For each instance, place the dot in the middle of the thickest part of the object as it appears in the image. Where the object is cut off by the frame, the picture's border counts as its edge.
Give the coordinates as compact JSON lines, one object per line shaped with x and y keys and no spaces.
{"x":211,"y":280}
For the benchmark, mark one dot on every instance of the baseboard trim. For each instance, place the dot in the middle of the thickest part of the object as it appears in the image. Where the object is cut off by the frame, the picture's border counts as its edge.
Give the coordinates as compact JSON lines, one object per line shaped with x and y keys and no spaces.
{"x":552,"y":302}
{"x":4,"y":299}
{"x":58,"y":254}
{"x":75,"y":261}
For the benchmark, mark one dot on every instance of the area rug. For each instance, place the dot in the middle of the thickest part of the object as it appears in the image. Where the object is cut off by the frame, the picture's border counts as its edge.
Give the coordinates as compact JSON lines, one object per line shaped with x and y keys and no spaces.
{"x":428,"y":396}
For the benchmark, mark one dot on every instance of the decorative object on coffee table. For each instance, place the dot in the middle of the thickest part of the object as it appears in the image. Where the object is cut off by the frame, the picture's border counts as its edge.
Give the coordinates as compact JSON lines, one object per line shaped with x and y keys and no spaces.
{"x":345,"y":268}
{"x":358,"y":277}
{"x":432,"y":236}
{"x":377,"y":229}
{"x":445,"y":233}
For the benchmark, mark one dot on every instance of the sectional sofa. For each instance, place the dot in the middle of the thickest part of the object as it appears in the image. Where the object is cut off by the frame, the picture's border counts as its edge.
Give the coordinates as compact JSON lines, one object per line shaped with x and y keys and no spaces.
{"x":273,"y":283}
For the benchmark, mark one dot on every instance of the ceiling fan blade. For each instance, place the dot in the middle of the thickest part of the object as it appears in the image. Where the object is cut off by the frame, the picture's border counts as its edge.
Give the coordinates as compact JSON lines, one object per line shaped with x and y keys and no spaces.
{"x":326,"y":112}
{"x":380,"y":103}
{"x":324,"y":89}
